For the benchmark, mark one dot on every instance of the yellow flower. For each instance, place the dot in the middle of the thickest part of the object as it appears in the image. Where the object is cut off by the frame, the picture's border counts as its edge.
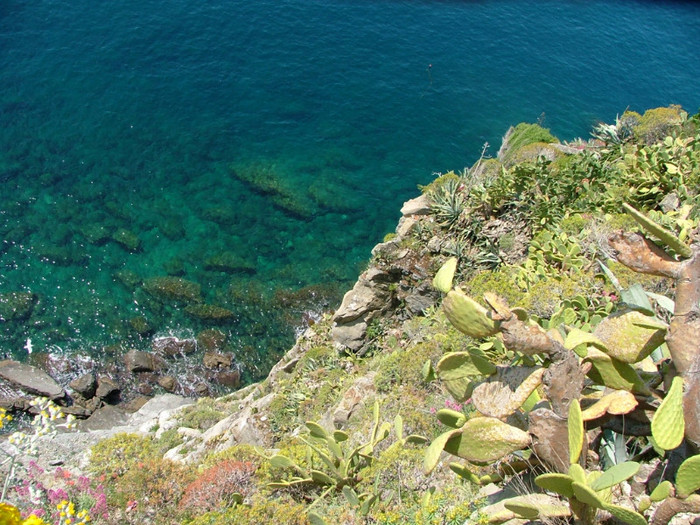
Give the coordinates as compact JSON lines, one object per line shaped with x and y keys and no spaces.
{"x":34,"y":520}
{"x":9,"y":515}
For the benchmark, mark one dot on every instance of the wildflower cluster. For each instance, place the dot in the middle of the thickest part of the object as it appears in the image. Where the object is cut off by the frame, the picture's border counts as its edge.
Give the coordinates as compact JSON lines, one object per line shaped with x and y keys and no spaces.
{"x":39,"y":501}
{"x":45,"y":423}
{"x":68,"y":516}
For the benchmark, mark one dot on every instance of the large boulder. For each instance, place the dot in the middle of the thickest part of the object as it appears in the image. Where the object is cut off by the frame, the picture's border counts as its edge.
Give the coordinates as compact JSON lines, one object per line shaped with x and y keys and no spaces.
{"x":138,"y":361}
{"x":30,"y":379}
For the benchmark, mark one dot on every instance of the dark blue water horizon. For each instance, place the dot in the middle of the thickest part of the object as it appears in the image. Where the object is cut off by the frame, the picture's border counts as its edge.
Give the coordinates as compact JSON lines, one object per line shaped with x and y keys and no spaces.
{"x":147,"y":139}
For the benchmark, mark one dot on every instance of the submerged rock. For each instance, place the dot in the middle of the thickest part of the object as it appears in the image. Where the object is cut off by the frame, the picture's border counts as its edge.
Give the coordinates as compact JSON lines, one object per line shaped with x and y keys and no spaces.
{"x":96,"y":233}
{"x":169,"y":288}
{"x":127,"y":239}
{"x":211,"y":340}
{"x":16,"y":305}
{"x":173,"y":346}
{"x":229,"y":262}
{"x":209,"y":312}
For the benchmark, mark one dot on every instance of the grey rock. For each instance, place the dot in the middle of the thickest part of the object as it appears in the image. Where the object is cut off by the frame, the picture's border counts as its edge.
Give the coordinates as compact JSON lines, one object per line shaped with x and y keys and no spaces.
{"x":173,"y":346}
{"x":85,"y":385}
{"x":350,"y":335}
{"x":355,"y":397}
{"x":106,"y":388}
{"x":418,"y":206}
{"x":103,"y":418}
{"x":30,"y":379}
{"x":138,"y":361}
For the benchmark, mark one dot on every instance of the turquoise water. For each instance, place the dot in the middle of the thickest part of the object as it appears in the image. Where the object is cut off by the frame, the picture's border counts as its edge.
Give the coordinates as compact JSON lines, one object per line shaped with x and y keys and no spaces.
{"x":144,"y":139}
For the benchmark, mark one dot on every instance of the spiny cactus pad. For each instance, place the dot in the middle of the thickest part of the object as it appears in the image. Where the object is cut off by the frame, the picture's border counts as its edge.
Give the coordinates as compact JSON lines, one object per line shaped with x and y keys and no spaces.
{"x":457,"y":369}
{"x":443,"y":278}
{"x":484,"y":440}
{"x":630,"y":336}
{"x":664,"y":235}
{"x":503,"y":393}
{"x":688,"y":477}
{"x":468,"y":316}
{"x":668,"y":425}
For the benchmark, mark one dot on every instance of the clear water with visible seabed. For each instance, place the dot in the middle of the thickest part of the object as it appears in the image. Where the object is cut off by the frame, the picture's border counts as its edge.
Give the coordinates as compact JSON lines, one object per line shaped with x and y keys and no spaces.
{"x":260,"y":149}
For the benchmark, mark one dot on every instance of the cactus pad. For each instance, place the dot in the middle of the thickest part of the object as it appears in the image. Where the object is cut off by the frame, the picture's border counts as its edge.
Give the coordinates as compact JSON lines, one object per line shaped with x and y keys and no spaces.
{"x":662,"y":491}
{"x":279,"y":461}
{"x":664,"y":235}
{"x":578,"y":341}
{"x":432,"y":455}
{"x":485,"y":439}
{"x":555,"y":482}
{"x":468,"y":316}
{"x":614,"y":373}
{"x":548,"y":507}
{"x":576,"y":431}
{"x":668,"y":425}
{"x":617,"y":403}
{"x":587,"y":495}
{"x":503,"y":393}
{"x":688,"y":477}
{"x":463,"y":472}
{"x":626,"y":515}
{"x":443,"y":278}
{"x":451,"y":418}
{"x":457,"y":369}
{"x":630,"y":336}
{"x":615,"y":475}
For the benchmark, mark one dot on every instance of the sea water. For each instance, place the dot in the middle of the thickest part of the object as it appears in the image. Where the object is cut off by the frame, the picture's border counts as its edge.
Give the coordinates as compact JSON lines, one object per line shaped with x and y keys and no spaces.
{"x":260,"y":149}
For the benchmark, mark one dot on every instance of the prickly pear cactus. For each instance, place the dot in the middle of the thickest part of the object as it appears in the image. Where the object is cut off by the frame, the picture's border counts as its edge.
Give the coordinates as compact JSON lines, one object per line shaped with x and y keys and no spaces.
{"x":668,"y":425}
{"x":688,"y":477}
{"x":503,"y":393}
{"x":457,"y":370}
{"x":630,"y":336}
{"x":483,"y":440}
{"x":468,"y":316}
{"x":664,"y":235}
{"x":443,"y":278}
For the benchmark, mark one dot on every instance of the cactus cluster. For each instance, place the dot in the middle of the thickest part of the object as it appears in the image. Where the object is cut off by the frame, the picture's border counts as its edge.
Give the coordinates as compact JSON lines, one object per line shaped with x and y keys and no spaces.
{"x":608,"y":369}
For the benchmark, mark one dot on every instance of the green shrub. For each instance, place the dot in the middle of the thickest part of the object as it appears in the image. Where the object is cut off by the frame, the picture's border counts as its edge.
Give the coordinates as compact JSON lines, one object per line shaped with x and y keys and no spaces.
{"x":114,"y":456}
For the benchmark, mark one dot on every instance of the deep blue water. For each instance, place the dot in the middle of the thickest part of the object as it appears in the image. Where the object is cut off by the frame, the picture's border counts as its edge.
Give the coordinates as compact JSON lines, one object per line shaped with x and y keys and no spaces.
{"x":162,"y":119}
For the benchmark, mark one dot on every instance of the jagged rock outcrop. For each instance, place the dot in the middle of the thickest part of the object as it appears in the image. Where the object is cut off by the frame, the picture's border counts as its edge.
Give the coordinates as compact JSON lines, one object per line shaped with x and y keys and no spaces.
{"x":396,"y":277}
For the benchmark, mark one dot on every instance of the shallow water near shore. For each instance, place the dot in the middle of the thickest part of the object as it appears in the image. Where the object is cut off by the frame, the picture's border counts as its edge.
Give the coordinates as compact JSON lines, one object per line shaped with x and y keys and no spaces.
{"x":259,"y":150}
